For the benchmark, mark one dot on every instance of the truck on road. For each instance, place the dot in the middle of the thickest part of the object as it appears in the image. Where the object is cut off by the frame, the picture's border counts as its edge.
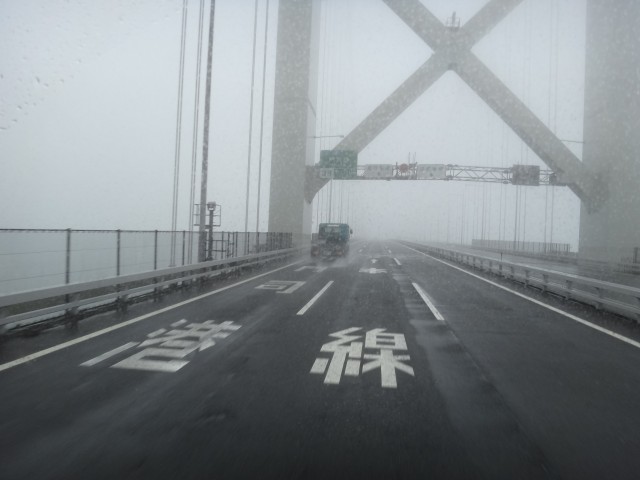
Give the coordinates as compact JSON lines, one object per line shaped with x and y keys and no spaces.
{"x":332,"y":240}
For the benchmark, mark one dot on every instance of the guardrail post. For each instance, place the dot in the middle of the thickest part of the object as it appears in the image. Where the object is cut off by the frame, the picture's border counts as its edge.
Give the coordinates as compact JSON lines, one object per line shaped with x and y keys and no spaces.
{"x":118,"y":253}
{"x":67,"y":279}
{"x":599,"y":305}
{"x":526,"y":278}
{"x":71,"y":322}
{"x":545,"y":280}
{"x":155,"y":250}
{"x":121,"y":304}
{"x":67,"y":268}
{"x":569,"y":287}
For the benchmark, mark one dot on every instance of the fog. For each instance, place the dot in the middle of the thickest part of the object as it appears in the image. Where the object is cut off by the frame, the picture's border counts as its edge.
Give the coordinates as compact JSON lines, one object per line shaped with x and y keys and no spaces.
{"x":88,"y":116}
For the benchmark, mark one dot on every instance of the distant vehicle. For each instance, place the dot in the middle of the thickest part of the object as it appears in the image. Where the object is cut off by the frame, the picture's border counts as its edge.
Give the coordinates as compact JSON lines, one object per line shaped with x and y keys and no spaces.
{"x":332,"y":240}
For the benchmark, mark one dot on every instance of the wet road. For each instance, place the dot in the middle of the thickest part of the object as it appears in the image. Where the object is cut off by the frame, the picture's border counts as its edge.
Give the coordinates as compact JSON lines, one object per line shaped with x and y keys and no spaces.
{"x":387,"y":364}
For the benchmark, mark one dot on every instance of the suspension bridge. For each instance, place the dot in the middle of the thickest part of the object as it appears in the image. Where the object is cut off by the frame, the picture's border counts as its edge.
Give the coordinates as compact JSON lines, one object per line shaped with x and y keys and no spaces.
{"x":457,"y":356}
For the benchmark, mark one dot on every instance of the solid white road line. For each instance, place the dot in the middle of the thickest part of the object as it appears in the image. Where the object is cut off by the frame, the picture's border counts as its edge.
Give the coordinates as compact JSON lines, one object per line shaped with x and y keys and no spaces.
{"x":428,"y":301}
{"x":104,"y":356}
{"x":538,"y":302}
{"x":304,"y":309}
{"x":47,"y":351}
{"x":398,"y":262}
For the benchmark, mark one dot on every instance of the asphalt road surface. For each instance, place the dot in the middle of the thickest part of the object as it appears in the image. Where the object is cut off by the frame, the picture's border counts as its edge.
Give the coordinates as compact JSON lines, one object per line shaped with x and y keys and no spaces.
{"x":386,"y":364}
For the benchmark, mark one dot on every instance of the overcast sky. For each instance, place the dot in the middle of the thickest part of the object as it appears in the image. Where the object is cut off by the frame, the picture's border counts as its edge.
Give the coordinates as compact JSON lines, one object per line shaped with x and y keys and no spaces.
{"x":88,"y":95}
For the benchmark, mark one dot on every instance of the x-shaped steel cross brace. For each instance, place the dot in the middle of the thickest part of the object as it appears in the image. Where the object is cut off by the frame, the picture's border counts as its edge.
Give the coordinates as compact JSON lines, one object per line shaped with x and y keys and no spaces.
{"x":452,"y":51}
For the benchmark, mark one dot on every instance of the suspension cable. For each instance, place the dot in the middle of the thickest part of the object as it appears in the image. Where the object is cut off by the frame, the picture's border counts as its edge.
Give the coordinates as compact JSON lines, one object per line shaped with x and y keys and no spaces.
{"x":196,"y":118}
{"x":176,"y":165}
{"x":264,"y":76}
{"x":253,"y":74}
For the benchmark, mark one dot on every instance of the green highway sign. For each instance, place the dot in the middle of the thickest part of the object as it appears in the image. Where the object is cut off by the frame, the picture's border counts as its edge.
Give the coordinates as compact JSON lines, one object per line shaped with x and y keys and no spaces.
{"x":525,"y":175}
{"x":343,"y":162}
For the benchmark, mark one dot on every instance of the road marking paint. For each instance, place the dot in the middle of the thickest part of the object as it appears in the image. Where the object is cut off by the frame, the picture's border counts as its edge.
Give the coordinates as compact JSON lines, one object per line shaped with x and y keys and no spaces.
{"x":109,"y":354}
{"x":374,"y":260}
{"x":352,"y":369}
{"x":398,"y":262}
{"x":320,"y":365}
{"x":427,"y":300}
{"x":47,"y":351}
{"x":315,"y":268}
{"x":157,"y":332}
{"x":538,"y":302}
{"x":169,"y":352}
{"x":281,"y":286}
{"x":136,"y":363}
{"x":178,"y":323}
{"x":351,"y":355}
{"x":372,"y":270}
{"x":304,"y":309}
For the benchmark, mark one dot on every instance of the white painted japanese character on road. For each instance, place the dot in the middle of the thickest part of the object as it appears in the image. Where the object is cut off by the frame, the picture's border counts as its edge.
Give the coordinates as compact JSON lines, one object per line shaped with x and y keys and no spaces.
{"x":348,"y":355}
{"x":165,"y":350}
{"x":280,"y":286}
{"x":315,"y":268}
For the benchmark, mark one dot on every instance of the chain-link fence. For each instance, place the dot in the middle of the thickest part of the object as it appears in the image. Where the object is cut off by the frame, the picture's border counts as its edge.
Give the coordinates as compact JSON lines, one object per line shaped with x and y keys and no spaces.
{"x":33,"y":259}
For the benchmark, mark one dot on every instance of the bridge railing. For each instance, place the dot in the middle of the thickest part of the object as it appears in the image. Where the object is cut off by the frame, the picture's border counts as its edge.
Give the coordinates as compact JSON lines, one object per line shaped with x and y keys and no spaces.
{"x":72,"y":300}
{"x":32,"y":259}
{"x":613,"y":297}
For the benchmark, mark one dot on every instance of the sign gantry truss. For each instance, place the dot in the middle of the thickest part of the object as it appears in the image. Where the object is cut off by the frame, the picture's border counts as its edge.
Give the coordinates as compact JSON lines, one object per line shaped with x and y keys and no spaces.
{"x":527,"y":175}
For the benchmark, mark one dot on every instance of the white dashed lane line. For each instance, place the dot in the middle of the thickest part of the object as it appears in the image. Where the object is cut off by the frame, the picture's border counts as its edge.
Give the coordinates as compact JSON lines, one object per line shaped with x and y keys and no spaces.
{"x":427,"y":300}
{"x":304,"y":309}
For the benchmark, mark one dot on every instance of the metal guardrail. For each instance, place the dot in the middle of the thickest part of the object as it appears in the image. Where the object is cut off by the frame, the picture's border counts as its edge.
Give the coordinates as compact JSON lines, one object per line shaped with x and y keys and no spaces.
{"x":572,"y":258}
{"x":66,"y":298}
{"x":32,"y":259}
{"x":608,"y":296}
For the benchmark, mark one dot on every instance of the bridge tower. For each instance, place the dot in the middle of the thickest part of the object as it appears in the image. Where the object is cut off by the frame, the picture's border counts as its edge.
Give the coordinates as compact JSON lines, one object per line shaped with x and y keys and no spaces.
{"x":294,"y":116}
{"x":612,"y":129}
